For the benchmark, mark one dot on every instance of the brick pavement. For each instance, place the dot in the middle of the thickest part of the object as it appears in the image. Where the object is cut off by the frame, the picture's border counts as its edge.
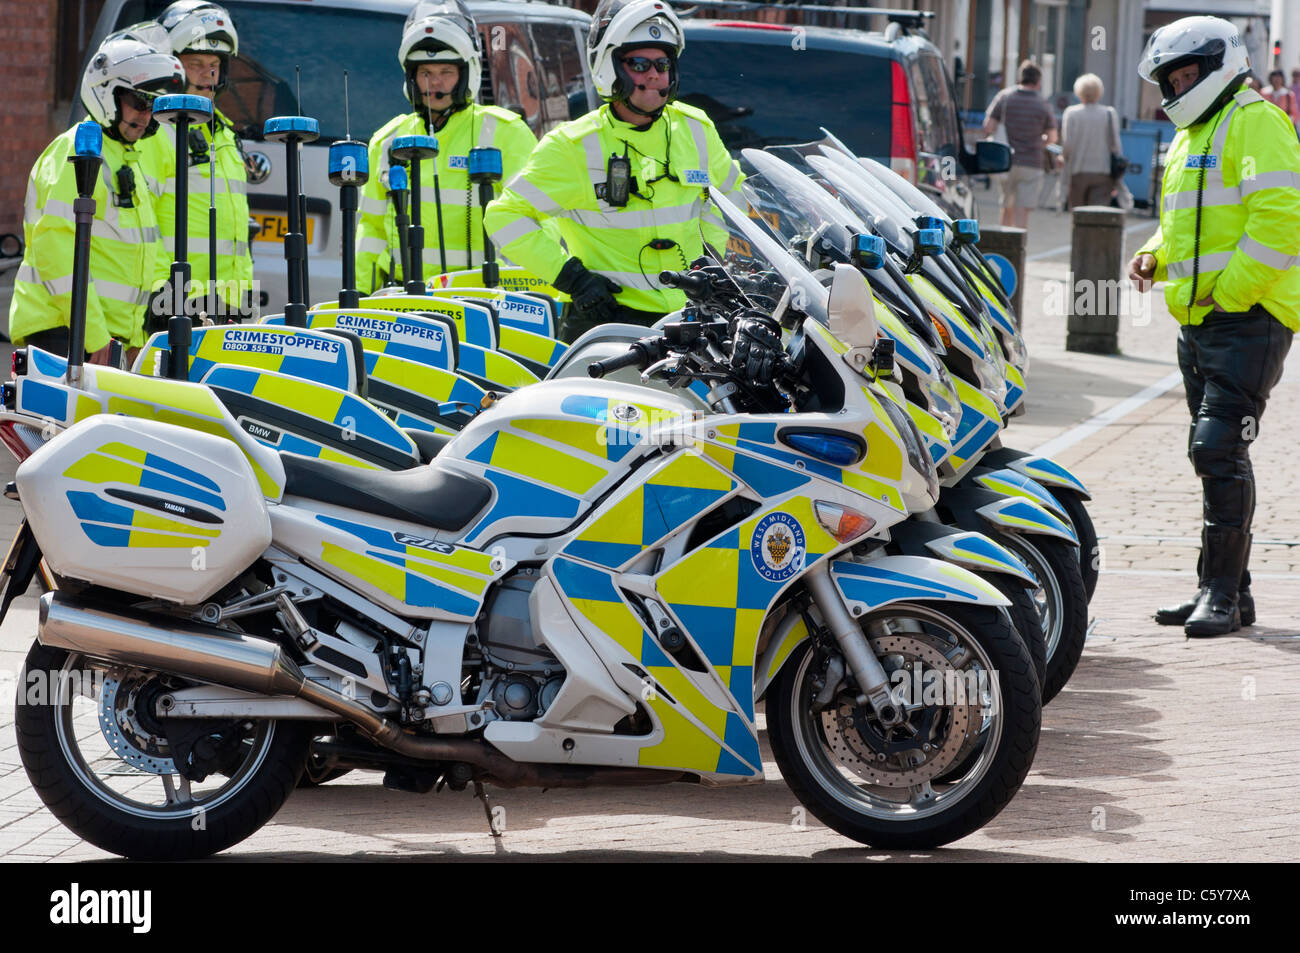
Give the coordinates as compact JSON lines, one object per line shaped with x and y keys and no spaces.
{"x":1158,"y":749}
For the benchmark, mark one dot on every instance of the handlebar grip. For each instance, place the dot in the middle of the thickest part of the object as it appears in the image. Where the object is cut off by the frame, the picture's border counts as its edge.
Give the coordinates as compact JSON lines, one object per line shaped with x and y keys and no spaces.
{"x":694,"y":283}
{"x":635,"y":355}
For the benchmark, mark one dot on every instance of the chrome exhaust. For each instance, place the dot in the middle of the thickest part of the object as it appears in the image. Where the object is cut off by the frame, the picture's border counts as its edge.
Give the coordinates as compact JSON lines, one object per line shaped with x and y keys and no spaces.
{"x":232,"y":660}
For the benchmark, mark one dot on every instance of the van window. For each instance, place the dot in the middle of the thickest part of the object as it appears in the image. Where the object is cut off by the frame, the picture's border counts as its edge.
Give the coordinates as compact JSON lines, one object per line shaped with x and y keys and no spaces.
{"x":509,"y":53}
{"x":936,"y":113}
{"x":759,"y":94}
{"x":560,"y":61}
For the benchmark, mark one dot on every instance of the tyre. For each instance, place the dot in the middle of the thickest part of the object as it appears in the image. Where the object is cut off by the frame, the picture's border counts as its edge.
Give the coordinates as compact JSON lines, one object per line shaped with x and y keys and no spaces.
{"x":105,"y":768}
{"x":881,"y":785}
{"x":1029,"y":624}
{"x":1062,"y":603}
{"x":1089,"y":556}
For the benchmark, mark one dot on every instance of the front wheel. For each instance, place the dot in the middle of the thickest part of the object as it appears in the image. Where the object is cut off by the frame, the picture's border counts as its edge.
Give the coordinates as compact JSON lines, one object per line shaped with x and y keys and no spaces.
{"x":106,"y":767}
{"x":1089,"y":553}
{"x":967,"y":679}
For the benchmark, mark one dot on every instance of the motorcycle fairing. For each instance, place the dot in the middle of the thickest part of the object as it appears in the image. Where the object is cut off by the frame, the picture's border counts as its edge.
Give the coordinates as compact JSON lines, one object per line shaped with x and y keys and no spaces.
{"x":1045,"y":470}
{"x":980,"y":422}
{"x":293,"y":352}
{"x":1019,"y":514}
{"x":936,"y":441}
{"x":473,"y":322}
{"x":411,"y":392}
{"x":515,"y":309}
{"x":400,"y":566}
{"x":1010,"y":482}
{"x":980,"y":554}
{"x":512,"y":278}
{"x":1015,"y":388}
{"x":869,"y":586}
{"x":430,"y":340}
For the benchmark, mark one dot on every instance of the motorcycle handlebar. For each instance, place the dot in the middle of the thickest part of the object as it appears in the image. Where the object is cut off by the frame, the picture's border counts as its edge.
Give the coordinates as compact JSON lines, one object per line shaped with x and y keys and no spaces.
{"x":695,"y":284}
{"x":633,"y":356}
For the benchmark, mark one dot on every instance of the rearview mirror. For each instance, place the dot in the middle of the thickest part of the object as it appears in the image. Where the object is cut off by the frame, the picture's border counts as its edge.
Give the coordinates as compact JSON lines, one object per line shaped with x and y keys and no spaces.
{"x":989,"y":157}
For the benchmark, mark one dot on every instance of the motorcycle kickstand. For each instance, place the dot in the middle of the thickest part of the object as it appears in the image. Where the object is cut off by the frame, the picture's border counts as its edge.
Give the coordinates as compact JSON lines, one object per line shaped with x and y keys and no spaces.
{"x":482,"y":795}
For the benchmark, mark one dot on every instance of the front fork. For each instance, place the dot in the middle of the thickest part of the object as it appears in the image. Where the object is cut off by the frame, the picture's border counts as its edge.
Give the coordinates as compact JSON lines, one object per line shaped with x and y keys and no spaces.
{"x":873,"y":683}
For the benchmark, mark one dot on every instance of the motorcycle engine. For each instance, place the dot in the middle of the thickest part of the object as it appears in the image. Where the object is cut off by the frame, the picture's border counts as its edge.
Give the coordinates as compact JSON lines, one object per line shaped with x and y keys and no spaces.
{"x":520,"y":675}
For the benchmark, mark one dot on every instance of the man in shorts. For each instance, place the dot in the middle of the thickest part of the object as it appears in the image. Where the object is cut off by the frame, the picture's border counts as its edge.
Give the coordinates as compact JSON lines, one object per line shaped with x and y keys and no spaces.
{"x":1030,"y":127}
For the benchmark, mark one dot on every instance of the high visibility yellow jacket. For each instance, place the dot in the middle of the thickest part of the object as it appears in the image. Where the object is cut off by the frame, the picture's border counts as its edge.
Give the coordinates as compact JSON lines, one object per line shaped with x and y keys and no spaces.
{"x":123,"y":247}
{"x":474,"y":127}
{"x":229,"y":194}
{"x":674,"y":161}
{"x":1245,"y":253}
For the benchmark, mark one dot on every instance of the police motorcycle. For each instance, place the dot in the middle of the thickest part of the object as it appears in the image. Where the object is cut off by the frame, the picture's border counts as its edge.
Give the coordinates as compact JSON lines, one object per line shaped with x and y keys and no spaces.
{"x":593,"y":583}
{"x":977,"y":495}
{"x":1066,"y":489}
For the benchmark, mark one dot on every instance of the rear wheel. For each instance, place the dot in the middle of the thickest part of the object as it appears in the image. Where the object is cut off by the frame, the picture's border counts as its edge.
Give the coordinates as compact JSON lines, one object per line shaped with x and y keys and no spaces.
{"x":104,"y":765}
{"x":911,"y":784}
{"x":1061,"y":601}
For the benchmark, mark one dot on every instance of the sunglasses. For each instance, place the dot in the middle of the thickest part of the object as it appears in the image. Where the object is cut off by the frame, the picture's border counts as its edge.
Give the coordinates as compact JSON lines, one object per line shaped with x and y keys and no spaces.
{"x":140,"y":102}
{"x":642,"y":64}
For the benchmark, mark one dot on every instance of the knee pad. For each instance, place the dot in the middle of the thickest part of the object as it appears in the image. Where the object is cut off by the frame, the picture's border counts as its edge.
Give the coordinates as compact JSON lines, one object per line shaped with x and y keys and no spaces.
{"x":1218,"y":448}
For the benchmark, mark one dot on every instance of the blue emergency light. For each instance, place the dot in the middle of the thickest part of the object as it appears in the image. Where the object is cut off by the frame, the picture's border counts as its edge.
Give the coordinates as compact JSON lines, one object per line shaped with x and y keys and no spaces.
{"x":282,"y":128}
{"x":397,"y":179}
{"x":349,"y":163}
{"x":177,"y":106}
{"x":930,"y":240}
{"x":869,"y":251}
{"x":967,"y":231}
{"x":485,"y":165}
{"x":88,"y":139}
{"x":407,"y":148}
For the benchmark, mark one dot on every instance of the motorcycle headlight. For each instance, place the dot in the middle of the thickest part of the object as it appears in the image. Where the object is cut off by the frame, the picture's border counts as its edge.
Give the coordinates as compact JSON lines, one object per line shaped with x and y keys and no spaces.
{"x":917,"y":457}
{"x":944,"y":402}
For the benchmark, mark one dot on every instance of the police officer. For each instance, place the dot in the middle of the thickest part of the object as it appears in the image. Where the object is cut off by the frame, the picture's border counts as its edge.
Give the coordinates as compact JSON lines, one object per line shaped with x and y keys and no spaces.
{"x":627,"y":183}
{"x":442,"y":60}
{"x":117,"y":90}
{"x":1227,"y":247}
{"x":204,"y":39}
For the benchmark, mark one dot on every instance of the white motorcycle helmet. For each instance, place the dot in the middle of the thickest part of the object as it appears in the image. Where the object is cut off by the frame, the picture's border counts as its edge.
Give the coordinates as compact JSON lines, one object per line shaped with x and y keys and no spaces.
{"x":195,"y":26}
{"x":621,"y":25}
{"x":442,"y":31}
{"x":1211,"y":43}
{"x":134,"y":60}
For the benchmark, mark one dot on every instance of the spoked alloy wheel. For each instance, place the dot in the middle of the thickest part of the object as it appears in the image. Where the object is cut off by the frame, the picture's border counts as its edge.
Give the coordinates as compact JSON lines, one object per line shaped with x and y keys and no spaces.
{"x":104,"y":767}
{"x":913,"y":784}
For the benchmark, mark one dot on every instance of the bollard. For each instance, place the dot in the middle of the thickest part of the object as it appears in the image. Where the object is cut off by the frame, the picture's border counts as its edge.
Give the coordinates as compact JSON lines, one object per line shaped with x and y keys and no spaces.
{"x":1094,"y":292}
{"x":1004,"y":247}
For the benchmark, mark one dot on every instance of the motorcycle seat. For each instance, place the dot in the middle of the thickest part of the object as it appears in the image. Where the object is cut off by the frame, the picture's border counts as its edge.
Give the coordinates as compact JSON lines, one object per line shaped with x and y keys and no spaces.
{"x":429,"y":444}
{"x":426,"y":495}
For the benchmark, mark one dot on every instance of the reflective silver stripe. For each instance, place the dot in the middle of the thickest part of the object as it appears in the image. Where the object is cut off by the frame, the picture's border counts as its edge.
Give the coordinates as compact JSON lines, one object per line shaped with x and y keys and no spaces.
{"x":58,"y":209}
{"x":595,"y":161}
{"x":701,"y":142}
{"x":127,"y":294}
{"x":647,"y":218}
{"x":517,"y":229}
{"x":371,"y":206}
{"x":132,"y":236}
{"x":30,"y":207}
{"x":372,"y":246}
{"x":1265,"y":255}
{"x":630,"y":279}
{"x":1281,"y":179}
{"x":236,"y":186}
{"x":56,"y":287}
{"x":1210,"y":198}
{"x":199,"y":246}
{"x":730,"y":182}
{"x":451,"y":198}
{"x":533,"y":195}
{"x":712,"y":217}
{"x":487,"y":131}
{"x":1215,"y":262}
{"x":1214,"y":176}
{"x":241,"y":248}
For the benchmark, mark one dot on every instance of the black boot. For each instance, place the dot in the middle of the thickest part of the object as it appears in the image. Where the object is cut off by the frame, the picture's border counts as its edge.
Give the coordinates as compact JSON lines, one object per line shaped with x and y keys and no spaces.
{"x":1177,"y":614}
{"x":1223,"y":552}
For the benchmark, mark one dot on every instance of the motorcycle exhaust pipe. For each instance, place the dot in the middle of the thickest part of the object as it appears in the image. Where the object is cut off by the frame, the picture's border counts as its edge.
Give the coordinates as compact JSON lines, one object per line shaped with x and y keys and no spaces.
{"x":207,"y":654}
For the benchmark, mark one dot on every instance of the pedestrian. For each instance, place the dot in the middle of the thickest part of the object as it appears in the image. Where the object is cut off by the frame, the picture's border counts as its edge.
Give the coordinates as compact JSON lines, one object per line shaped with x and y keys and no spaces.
{"x":204,"y":39}
{"x":1227,"y":247}
{"x":1281,"y":96}
{"x":118,"y":87}
{"x":443,"y":64}
{"x":627,"y":184}
{"x":1295,"y":84}
{"x":1030,"y":127}
{"x":1089,"y":138}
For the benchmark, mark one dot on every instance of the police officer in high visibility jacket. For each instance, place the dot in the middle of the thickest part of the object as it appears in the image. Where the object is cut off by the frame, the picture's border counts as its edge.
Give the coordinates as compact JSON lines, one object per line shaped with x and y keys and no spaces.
{"x":204,"y":39}
{"x":442,"y":61}
{"x":117,"y":90}
{"x":627,"y":183}
{"x":1227,"y":245}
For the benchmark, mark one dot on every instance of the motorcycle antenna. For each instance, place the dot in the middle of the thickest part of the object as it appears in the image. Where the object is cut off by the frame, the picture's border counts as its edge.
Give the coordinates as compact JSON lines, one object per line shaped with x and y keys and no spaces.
{"x":349,"y":167}
{"x":302,"y":201}
{"x":411,"y":150}
{"x":86,"y":159}
{"x":293,"y":131}
{"x":212,"y":228}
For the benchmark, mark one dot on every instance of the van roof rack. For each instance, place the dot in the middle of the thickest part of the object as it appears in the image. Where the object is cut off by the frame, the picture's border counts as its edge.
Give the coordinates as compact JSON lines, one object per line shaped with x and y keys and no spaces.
{"x":907,"y":19}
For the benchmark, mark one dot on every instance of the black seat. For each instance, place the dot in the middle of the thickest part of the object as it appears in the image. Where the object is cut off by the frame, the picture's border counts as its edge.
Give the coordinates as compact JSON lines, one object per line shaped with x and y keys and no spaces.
{"x":429,"y":444}
{"x":429,"y":496}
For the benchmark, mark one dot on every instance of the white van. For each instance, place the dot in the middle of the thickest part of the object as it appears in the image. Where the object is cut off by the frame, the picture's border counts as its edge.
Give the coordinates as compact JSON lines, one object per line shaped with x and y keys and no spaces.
{"x":535,"y":64}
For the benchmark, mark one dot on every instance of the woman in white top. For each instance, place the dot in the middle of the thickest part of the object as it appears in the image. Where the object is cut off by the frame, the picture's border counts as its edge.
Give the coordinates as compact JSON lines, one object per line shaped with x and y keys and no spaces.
{"x":1090,"y":135}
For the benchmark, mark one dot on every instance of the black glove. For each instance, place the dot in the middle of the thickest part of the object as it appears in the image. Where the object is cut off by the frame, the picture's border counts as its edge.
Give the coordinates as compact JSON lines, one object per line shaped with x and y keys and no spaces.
{"x":592,"y":294}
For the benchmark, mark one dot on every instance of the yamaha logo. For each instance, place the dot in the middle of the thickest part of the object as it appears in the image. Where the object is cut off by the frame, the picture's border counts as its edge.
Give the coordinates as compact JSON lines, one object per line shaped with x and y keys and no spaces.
{"x":258,"y":167}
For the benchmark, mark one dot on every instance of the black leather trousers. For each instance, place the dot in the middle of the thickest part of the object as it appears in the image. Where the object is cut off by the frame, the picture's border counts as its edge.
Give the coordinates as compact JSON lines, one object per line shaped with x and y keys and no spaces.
{"x":1230,"y":364}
